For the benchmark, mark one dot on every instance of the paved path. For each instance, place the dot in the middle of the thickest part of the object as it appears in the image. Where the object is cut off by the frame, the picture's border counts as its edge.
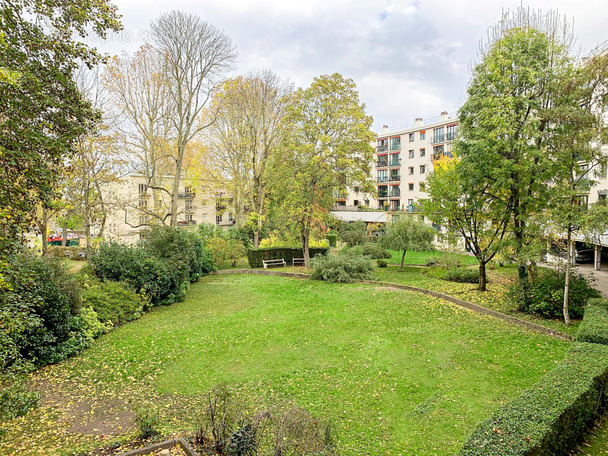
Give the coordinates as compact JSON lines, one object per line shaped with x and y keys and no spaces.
{"x":600,"y":277}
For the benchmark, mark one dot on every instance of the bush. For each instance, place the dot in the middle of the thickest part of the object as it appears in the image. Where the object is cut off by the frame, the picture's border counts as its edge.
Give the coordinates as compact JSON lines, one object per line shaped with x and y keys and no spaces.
{"x":594,"y":328}
{"x":375,"y":252}
{"x":462,"y":275}
{"x":147,"y":421}
{"x":381,"y":263}
{"x":342,"y":268}
{"x":551,"y":416}
{"x":16,"y":400}
{"x":354,"y":233}
{"x":255,"y":256}
{"x":546,"y":295}
{"x":72,"y":252}
{"x":39,"y":308}
{"x":332,"y":238}
{"x":114,"y":303}
{"x":226,"y":251}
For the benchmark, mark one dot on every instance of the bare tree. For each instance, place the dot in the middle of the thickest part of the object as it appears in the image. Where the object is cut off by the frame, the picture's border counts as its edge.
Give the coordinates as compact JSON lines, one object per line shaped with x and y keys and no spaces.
{"x":196,"y":56}
{"x":247,"y":132}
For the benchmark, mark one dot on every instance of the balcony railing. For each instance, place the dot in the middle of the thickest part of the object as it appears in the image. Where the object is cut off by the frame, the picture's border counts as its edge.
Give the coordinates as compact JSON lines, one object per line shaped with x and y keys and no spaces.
{"x":382,"y":148}
{"x":396,"y":194}
{"x":381,"y":163}
{"x":438,"y":138}
{"x":396,"y":162}
{"x":383,"y":179}
{"x":395,"y":179}
{"x":383,"y":195}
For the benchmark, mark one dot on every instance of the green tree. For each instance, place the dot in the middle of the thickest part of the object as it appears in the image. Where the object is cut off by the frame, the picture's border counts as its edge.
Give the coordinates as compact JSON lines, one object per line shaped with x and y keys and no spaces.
{"x":328,"y":148}
{"x":354,"y":233}
{"x":42,"y":110}
{"x":505,"y":124}
{"x":407,"y":233}
{"x":459,"y":203}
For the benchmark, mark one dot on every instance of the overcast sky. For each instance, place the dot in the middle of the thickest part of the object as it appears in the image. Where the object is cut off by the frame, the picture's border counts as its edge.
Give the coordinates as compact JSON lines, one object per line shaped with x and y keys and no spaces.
{"x":408,"y":58}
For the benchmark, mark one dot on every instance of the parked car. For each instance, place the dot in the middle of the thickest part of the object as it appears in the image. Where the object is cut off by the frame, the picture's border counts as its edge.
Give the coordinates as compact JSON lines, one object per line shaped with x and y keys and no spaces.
{"x":584,"y":256}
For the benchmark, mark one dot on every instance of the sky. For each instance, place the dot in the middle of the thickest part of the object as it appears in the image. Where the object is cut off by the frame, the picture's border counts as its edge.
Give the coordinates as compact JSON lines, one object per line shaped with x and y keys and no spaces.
{"x":409,"y":58}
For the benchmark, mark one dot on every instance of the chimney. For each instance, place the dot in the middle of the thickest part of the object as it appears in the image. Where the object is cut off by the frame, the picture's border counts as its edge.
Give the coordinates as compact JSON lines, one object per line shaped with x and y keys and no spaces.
{"x":384,"y":128}
{"x":418,"y":122}
{"x":444,"y":115}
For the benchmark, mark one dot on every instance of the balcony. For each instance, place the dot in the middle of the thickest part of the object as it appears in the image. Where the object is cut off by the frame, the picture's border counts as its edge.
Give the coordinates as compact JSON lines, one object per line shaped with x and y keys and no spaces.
{"x":438,"y":138}
{"x":395,"y":178}
{"x":382,"y":148}
{"x":382,"y":194}
{"x":396,"y":162}
{"x":395,"y":194}
{"x":381,"y":163}
{"x":383,"y":179}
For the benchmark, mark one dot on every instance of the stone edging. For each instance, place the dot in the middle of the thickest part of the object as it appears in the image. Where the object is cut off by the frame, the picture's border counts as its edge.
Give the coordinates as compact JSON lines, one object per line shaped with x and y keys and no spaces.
{"x":167,"y":444}
{"x":459,"y":302}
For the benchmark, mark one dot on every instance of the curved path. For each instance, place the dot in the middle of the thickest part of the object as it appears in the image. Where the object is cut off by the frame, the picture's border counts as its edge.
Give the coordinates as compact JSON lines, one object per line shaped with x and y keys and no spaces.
{"x":459,"y":302}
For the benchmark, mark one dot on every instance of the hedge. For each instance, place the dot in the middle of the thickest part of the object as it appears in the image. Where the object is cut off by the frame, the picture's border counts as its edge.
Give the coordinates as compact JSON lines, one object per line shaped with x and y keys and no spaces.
{"x":551,"y":416}
{"x":594,"y":328}
{"x":462,"y":275}
{"x":255,"y":256}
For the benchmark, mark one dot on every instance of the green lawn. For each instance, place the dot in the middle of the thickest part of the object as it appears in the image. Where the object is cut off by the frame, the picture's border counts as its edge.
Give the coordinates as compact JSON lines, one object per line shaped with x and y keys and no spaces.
{"x":420,"y":258}
{"x":396,"y":372}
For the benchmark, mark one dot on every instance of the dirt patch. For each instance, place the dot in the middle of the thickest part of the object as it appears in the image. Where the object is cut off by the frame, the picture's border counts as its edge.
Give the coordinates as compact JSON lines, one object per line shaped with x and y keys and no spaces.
{"x":107,"y":417}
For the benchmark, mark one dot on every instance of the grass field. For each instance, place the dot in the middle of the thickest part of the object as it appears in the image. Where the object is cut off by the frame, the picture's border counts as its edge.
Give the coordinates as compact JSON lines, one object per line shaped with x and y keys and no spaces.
{"x":396,"y":372}
{"x":420,"y":258}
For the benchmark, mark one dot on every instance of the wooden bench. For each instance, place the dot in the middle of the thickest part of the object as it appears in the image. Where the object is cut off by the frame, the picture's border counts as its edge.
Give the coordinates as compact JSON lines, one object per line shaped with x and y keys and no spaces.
{"x":298,"y":262}
{"x":278,"y":262}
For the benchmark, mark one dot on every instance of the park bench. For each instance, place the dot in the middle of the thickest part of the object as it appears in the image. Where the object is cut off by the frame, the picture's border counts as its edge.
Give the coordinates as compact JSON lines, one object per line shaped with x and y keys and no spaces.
{"x":278,"y":262}
{"x":298,"y":262}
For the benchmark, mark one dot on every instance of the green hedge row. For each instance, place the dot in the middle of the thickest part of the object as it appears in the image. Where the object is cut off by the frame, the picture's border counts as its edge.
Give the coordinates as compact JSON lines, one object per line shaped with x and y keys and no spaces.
{"x":255,"y":256}
{"x":594,"y":328}
{"x":551,"y":416}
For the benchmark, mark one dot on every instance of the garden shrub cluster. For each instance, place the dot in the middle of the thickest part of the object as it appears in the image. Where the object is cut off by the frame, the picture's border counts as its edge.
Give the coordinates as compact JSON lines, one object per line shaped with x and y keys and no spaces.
{"x":255,"y":256}
{"x":332,"y":238}
{"x":594,"y":328}
{"x":376,"y":252}
{"x":74,"y":252}
{"x":551,"y":416}
{"x":113,"y":303}
{"x":462,"y":275}
{"x":344,"y":268}
{"x":354,"y":233}
{"x":546,"y":295}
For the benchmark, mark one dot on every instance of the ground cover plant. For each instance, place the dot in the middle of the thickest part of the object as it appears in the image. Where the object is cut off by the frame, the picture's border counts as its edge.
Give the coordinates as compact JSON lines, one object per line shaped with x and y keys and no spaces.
{"x":396,"y":372}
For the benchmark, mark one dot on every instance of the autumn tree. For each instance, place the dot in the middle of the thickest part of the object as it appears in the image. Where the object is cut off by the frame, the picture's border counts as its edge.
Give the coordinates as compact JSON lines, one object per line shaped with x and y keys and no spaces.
{"x":42,"y":110}
{"x":407,"y":233}
{"x":247,"y":133}
{"x":328,"y":148}
{"x":196,"y":56}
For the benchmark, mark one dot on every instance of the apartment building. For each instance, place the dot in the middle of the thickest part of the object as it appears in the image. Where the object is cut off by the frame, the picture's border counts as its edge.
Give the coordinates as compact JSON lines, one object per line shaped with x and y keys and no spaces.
{"x":405,"y":157}
{"x":133,"y":206}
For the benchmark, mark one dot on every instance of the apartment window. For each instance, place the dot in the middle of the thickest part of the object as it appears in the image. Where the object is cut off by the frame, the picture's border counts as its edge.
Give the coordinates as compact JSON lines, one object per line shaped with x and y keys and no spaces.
{"x":410,"y":202}
{"x":601,"y":199}
{"x":422,"y":169}
{"x":143,"y":204}
{"x":188,"y":217}
{"x":382,"y":191}
{"x":189,"y":205}
{"x":188,"y":191}
{"x":395,"y":175}
{"x":143,"y":219}
{"x":437,"y":152}
{"x":382,"y":175}
{"x":367,"y":203}
{"x":356,"y":189}
{"x":411,"y":137}
{"x":451,"y":133}
{"x":382,"y":160}
{"x":395,"y":160}
{"x":422,"y":152}
{"x":423,"y":134}
{"x":601,"y":173}
{"x":438,"y":135}
{"x":230,"y":217}
{"x":218,"y":219}
{"x":382,"y":145}
{"x":411,"y":152}
{"x":410,"y":170}
{"x":355,"y":202}
{"x":410,"y":186}
{"x":396,"y":143}
{"x":143,"y":189}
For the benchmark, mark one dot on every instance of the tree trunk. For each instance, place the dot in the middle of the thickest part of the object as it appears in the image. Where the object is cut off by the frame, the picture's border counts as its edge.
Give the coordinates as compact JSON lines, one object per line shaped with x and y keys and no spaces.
{"x":483,"y":279}
{"x":402,"y":260}
{"x":176,"y":182}
{"x":64,"y":234}
{"x":567,"y":283}
{"x":256,"y":238}
{"x":43,"y":231}
{"x":305,"y":249}
{"x":87,"y":221}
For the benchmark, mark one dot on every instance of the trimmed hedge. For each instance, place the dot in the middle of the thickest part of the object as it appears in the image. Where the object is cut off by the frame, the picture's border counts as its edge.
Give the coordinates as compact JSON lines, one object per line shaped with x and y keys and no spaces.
{"x":551,"y":416}
{"x":255,"y":256}
{"x":594,"y":328}
{"x":462,"y":275}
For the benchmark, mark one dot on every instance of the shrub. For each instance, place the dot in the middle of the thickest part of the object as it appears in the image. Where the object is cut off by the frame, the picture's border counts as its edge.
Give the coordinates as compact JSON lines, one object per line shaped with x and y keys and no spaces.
{"x":332,"y":238}
{"x":462,"y":275}
{"x":225,"y":251}
{"x":255,"y":256}
{"x":594,"y":328}
{"x":72,"y":252}
{"x":546,"y":295}
{"x":16,"y":400}
{"x":381,"y":263}
{"x":354,"y":233}
{"x":342,"y":268}
{"x":432,"y":261}
{"x":552,"y":415}
{"x":114,"y":303}
{"x":376,"y":252}
{"x":147,"y":421}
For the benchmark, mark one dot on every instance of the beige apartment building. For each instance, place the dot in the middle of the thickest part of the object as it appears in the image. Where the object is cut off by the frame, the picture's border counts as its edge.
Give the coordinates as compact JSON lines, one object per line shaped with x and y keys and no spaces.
{"x":133,"y":206}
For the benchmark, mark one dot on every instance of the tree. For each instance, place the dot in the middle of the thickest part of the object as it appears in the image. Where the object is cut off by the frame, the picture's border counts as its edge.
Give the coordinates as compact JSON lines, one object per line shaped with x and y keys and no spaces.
{"x":407,"y":233}
{"x":248,"y":132}
{"x":42,"y":110}
{"x":505,"y":124}
{"x":458,"y":202}
{"x":327,"y":149}
{"x":354,"y":233}
{"x":195,"y":57}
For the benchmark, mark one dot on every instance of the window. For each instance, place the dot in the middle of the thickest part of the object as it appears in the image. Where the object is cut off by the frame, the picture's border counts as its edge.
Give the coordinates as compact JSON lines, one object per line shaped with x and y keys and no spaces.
{"x":422,"y":169}
{"x":382,"y":175}
{"x":356,"y":189}
{"x":437,"y":152}
{"x":451,"y":133}
{"x":395,"y":177}
{"x":355,"y":202}
{"x":188,"y":191}
{"x":218,"y":219}
{"x":423,"y":134}
{"x":410,"y":170}
{"x":382,"y":160}
{"x":411,"y":137}
{"x":143,"y":189}
{"x":438,"y":135}
{"x":143,"y":204}
{"x":601,"y":199}
{"x":602,"y":171}
{"x":396,"y":143}
{"x":188,"y":217}
{"x":143,"y":219}
{"x":410,"y":202}
{"x":189,"y":205}
{"x":382,"y":145}
{"x":230,"y":217}
{"x":410,"y":186}
{"x":382,"y":191}
{"x":367,"y":203}
{"x":411,"y":152}
{"x":422,"y":152}
{"x":395,"y":160}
